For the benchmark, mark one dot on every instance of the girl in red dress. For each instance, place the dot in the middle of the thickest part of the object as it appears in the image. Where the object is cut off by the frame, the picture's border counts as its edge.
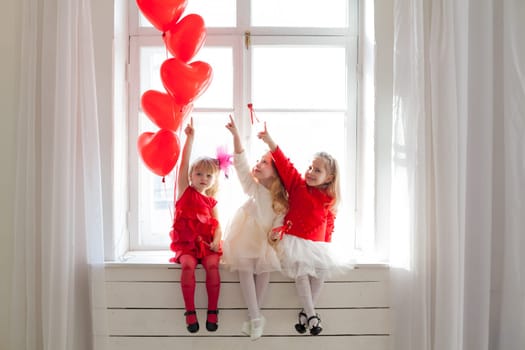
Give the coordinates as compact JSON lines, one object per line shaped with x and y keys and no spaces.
{"x":306,"y":253}
{"x":196,"y":234}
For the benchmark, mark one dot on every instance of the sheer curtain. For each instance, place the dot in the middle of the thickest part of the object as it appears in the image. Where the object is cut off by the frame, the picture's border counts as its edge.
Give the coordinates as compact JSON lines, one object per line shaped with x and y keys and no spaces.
{"x":458,"y":199}
{"x":58,"y":209}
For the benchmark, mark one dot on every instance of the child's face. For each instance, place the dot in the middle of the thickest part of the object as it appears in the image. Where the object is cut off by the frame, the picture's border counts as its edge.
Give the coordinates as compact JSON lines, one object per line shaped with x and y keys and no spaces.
{"x":317,"y":173}
{"x":264,"y":170}
{"x":202,"y":180}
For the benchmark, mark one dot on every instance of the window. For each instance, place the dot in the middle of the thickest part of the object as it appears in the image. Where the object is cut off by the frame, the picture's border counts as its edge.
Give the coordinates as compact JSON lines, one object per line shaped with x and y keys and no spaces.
{"x":294,"y":60}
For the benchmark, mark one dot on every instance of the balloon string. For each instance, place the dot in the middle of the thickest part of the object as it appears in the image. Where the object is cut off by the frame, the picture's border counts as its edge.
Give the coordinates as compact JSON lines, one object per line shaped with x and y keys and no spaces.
{"x":166,"y":193}
{"x":176,"y":175}
{"x":165,"y":46}
{"x":252,"y":114}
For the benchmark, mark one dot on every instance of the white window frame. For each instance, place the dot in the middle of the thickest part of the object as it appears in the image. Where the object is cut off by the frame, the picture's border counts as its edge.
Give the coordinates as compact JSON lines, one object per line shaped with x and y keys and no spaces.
{"x":259,"y":35}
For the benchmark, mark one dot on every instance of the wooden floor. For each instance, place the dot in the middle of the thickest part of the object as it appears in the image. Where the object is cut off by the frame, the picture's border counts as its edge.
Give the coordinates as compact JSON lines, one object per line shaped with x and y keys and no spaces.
{"x":145,"y":311}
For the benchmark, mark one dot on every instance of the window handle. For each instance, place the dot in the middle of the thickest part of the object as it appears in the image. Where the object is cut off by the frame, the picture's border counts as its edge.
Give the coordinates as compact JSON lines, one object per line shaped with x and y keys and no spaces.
{"x":247,"y":39}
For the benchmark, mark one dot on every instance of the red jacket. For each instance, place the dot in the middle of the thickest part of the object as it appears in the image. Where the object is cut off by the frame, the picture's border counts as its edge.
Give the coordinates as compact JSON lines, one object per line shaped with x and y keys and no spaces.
{"x":309,"y":216}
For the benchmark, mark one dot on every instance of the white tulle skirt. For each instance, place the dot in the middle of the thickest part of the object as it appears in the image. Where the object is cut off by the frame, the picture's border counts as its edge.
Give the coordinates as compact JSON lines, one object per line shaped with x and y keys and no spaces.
{"x":246,"y":248}
{"x":301,"y":257}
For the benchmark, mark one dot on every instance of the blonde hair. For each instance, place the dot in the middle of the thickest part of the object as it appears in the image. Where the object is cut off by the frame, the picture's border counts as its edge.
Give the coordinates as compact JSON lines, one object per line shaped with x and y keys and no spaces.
{"x":279,"y":195}
{"x":333,"y":188}
{"x":211,"y":165}
{"x":277,"y":191}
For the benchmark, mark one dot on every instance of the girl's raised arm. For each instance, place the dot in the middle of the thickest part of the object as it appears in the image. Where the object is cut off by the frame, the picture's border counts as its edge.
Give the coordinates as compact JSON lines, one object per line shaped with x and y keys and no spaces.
{"x":183,"y":179}
{"x":237,"y":144}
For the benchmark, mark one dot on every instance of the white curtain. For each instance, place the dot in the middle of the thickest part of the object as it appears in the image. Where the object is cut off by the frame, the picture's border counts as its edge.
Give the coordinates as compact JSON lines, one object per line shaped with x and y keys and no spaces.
{"x":58,"y":209}
{"x":458,"y":199}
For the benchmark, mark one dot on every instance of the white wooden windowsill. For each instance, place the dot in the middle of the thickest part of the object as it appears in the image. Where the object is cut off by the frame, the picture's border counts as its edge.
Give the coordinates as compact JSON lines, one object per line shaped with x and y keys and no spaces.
{"x":161,"y":257}
{"x":145,"y":309}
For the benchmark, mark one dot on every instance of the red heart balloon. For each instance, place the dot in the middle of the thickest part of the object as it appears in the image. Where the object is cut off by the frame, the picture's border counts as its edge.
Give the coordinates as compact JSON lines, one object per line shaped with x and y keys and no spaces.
{"x":162,"y":110}
{"x":159,"y":151}
{"x":185,"y":82}
{"x":185,"y":38}
{"x":162,"y":13}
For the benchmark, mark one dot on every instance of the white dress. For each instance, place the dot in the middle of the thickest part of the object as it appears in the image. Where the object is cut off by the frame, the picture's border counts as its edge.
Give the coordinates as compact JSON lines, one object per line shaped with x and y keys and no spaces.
{"x":245,"y":245}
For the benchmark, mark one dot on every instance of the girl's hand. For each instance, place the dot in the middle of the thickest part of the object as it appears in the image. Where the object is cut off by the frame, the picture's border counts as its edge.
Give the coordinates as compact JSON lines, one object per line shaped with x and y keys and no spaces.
{"x":232,"y":127}
{"x":237,"y":144}
{"x":215,"y":245}
{"x":266,"y":138}
{"x":189,"y":130}
{"x":274,"y":236}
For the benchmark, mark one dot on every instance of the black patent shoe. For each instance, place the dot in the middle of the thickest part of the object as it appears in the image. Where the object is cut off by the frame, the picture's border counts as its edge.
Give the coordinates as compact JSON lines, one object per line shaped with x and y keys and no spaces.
{"x":192,"y":327}
{"x":212,"y":326}
{"x":314,"y":324}
{"x":300,"y":327}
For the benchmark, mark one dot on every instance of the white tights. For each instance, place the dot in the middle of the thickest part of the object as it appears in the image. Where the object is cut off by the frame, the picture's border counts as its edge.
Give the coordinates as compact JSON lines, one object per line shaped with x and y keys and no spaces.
{"x":253,"y":289}
{"x":308,"y":291}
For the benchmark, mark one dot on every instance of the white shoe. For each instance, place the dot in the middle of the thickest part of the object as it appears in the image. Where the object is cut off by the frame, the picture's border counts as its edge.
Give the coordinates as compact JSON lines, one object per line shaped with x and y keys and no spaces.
{"x":246,"y":328}
{"x":257,"y":327}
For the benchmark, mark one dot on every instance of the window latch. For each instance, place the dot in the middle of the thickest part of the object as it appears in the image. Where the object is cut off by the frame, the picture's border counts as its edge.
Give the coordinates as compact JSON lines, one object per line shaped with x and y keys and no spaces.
{"x":247,"y":39}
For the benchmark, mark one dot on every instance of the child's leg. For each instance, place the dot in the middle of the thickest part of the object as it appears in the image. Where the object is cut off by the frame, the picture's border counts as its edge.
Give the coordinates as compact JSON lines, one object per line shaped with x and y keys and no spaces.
{"x":213,"y":285}
{"x":304,"y":292}
{"x":313,"y":321}
{"x":249,"y":293}
{"x":253,"y":289}
{"x":187,"y":283}
{"x":316,"y":285}
{"x":262,"y":281}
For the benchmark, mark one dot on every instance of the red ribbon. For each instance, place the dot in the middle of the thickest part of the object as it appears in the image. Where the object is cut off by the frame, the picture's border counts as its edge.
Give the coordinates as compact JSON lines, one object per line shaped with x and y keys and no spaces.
{"x":282,"y":229}
{"x":252,"y":113}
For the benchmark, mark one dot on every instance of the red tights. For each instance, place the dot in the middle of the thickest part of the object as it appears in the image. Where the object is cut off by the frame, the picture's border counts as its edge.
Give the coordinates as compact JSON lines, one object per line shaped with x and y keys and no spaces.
{"x":210,"y":264}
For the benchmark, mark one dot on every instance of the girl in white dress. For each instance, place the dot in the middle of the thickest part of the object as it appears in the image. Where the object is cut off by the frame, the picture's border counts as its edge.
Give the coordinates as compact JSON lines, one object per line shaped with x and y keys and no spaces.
{"x":248,"y":244}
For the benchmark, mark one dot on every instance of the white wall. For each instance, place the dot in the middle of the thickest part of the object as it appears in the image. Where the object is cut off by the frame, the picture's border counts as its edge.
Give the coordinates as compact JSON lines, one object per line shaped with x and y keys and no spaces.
{"x":9,"y":71}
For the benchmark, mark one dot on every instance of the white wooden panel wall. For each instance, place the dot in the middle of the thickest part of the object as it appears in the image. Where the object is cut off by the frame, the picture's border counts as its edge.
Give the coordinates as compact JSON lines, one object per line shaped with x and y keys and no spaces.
{"x":145,"y":311}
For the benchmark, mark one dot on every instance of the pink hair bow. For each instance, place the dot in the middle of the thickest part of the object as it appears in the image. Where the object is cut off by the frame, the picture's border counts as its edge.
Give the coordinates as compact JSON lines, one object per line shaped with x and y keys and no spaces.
{"x":225,"y":160}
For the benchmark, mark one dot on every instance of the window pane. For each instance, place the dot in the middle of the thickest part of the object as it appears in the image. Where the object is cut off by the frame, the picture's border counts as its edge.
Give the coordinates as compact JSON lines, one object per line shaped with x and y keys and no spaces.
{"x":299,"y":13}
{"x":151,"y":58}
{"x":220,"y":92}
{"x":299,"y":77}
{"x":155,"y":200}
{"x":300,"y":135}
{"x":143,"y":22}
{"x":216,"y":13}
{"x":155,"y":209}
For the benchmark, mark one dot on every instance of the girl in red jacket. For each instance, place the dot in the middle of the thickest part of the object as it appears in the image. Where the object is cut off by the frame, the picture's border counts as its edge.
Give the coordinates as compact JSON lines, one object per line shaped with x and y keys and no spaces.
{"x":308,"y":226}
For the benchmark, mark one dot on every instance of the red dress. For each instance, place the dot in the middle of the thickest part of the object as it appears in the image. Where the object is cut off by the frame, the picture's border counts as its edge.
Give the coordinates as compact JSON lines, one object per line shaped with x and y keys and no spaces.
{"x":309,"y":216}
{"x":194,"y":225}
